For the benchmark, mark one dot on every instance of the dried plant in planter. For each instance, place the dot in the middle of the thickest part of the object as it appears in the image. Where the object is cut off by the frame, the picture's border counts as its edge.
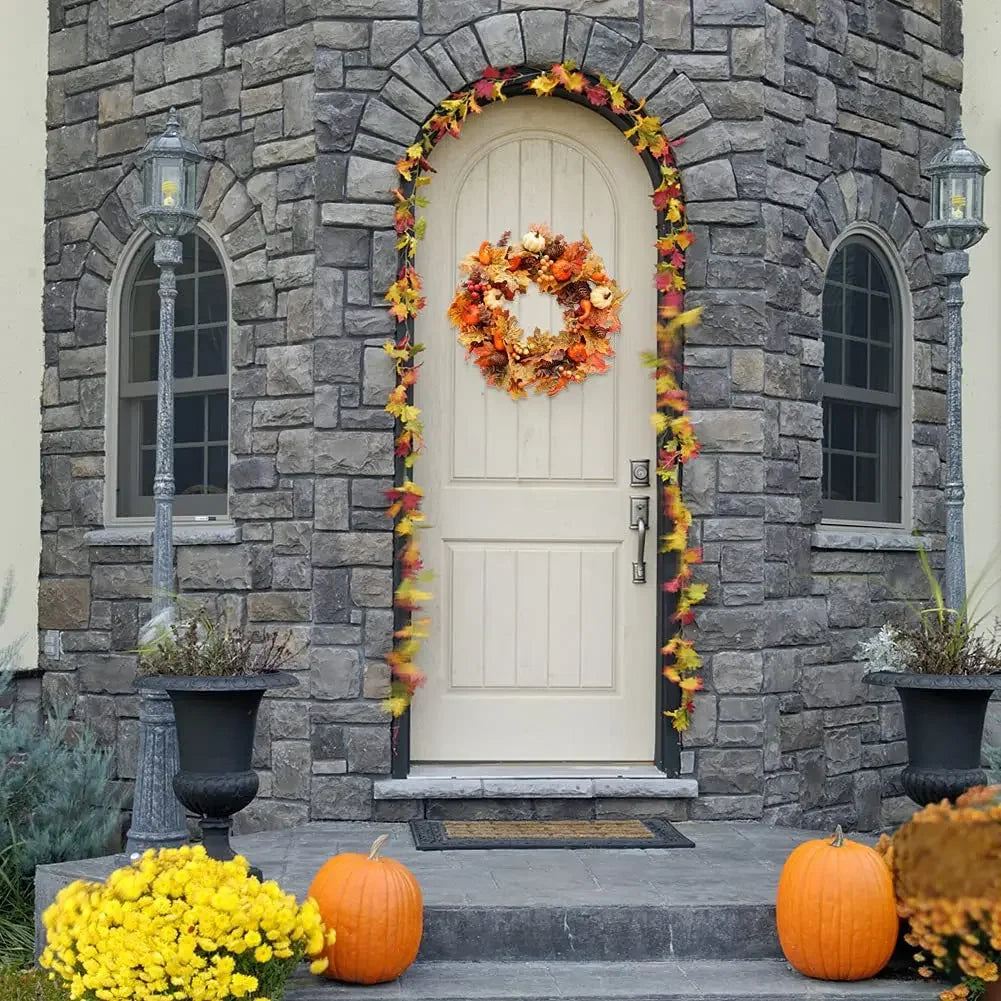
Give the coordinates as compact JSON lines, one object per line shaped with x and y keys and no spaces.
{"x":200,"y":647}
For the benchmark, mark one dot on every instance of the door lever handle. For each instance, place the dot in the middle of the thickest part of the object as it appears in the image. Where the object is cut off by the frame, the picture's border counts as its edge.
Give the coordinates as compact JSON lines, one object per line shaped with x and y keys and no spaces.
{"x":639,"y":567}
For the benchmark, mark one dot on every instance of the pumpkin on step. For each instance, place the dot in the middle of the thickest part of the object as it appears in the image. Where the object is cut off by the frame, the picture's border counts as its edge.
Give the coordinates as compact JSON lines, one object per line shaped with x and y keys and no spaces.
{"x":375,"y":906}
{"x":835,"y":910}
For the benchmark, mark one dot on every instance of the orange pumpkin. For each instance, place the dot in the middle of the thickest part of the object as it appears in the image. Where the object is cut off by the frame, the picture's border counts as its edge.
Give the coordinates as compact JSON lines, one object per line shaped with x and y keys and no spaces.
{"x":835,"y":910}
{"x":562,"y":270}
{"x":578,"y":351}
{"x":484,"y":255}
{"x":375,"y":906}
{"x":471,"y":314}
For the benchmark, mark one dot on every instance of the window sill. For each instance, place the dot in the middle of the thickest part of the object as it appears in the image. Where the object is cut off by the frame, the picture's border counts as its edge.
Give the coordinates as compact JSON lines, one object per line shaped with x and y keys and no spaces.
{"x":184,"y":535}
{"x":873,"y":540}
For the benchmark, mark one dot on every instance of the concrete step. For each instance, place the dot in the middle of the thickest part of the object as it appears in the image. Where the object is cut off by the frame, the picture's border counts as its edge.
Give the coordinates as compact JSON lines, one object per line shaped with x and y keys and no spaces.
{"x":581,"y":981}
{"x":609,"y":932}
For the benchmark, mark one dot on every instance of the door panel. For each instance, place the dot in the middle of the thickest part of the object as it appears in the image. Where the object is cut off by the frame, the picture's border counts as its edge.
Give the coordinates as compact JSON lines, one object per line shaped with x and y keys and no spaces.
{"x":542,"y":648}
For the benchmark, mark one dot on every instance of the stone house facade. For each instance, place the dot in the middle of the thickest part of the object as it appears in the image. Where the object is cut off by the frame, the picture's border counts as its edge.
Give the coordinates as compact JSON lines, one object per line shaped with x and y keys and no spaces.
{"x":803,"y":121}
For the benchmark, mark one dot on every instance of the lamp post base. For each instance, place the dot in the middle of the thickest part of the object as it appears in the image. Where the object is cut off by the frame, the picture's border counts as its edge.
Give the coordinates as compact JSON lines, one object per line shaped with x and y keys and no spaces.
{"x":158,"y":819}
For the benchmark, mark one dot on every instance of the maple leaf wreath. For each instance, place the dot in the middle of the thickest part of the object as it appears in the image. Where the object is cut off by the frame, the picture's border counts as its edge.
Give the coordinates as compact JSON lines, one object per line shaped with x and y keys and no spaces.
{"x":544,"y":361}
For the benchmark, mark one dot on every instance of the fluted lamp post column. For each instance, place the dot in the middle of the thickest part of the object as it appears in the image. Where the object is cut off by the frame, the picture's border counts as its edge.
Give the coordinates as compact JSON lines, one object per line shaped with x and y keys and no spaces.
{"x":955,"y":224}
{"x":169,"y":164}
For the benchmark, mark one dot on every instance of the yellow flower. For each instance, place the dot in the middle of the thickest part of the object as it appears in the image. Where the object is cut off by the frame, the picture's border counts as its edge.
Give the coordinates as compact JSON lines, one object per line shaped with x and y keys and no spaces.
{"x":263,"y":953}
{"x":319,"y":966}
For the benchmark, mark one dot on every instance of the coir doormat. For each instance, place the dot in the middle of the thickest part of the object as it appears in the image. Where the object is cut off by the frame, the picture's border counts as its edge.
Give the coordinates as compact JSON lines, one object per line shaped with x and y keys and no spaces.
{"x":460,"y":835}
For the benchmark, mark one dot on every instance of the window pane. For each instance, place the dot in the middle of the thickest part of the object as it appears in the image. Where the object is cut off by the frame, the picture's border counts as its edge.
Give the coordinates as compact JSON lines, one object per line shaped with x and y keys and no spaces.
{"x":877,"y":275}
{"x":857,"y":367}
{"x":148,"y":465}
{"x":146,"y":308}
{"x":145,"y":358}
{"x":879,"y":318}
{"x":148,"y":419}
{"x":187,"y":265}
{"x":842,"y":482}
{"x":879,"y":369}
{"x":856,"y":265}
{"x":857,"y":314}
{"x":189,"y":418}
{"x":836,"y":268}
{"x":184,"y":355}
{"x":189,"y":470}
{"x":832,"y":360}
{"x":842,"y":430}
{"x":865,"y":481}
{"x":212,"y":352}
{"x":866,"y":423}
{"x":207,"y":259}
{"x":184,"y":311}
{"x":218,"y":478}
{"x":212,"y":300}
{"x":148,"y":270}
{"x":833,"y":318}
{"x":218,"y":417}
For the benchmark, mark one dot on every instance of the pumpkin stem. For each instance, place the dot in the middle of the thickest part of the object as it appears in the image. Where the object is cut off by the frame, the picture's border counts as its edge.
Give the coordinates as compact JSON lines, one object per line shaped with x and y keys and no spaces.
{"x":379,"y":844}
{"x":839,"y":837}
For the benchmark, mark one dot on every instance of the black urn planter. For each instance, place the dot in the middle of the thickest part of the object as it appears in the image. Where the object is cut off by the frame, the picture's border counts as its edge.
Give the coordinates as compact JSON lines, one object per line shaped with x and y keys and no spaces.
{"x":944,"y":723}
{"x":216,"y":721}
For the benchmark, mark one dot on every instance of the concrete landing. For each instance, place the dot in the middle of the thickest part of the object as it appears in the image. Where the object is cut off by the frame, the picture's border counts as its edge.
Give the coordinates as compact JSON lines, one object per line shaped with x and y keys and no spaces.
{"x":639,"y":924}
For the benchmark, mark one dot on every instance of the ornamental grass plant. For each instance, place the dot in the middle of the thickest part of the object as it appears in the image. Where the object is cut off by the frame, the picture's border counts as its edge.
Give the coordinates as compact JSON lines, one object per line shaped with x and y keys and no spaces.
{"x":946,"y":863}
{"x":176,"y":925}
{"x":939,"y":640}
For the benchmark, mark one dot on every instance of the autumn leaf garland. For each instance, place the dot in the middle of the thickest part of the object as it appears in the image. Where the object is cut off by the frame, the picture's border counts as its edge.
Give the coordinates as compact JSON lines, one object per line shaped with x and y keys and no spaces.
{"x":676,"y":438}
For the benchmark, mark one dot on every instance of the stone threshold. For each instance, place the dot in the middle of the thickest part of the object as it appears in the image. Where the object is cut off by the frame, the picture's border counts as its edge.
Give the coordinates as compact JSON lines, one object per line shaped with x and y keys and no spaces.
{"x":471,"y":786}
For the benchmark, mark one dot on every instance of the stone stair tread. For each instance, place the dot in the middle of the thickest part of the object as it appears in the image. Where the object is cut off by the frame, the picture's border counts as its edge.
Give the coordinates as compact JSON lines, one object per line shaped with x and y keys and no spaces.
{"x":723,"y":980}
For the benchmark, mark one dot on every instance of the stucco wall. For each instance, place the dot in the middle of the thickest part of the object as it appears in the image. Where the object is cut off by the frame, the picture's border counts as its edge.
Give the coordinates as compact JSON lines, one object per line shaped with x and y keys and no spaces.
{"x":23,"y":49}
{"x":982,"y":315}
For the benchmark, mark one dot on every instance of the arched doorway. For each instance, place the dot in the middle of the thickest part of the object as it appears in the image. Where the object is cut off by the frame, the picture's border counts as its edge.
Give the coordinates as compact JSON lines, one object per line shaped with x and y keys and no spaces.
{"x":542,"y":647}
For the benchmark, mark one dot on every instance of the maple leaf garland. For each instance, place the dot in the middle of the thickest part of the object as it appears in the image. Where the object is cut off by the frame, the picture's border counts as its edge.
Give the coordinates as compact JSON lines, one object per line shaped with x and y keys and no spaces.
{"x":677,"y":443}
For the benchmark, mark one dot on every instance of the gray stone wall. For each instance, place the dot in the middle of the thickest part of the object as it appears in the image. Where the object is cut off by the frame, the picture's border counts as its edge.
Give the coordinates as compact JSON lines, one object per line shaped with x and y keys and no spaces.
{"x":800,"y":116}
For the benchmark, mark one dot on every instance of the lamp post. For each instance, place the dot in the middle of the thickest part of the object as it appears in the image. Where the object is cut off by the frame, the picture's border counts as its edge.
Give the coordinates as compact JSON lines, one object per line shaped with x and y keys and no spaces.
{"x":956,"y":223}
{"x":169,"y":166}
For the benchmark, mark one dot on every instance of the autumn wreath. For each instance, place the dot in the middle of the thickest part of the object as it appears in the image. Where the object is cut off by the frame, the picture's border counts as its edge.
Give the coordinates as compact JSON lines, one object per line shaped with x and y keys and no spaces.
{"x":545,"y":361}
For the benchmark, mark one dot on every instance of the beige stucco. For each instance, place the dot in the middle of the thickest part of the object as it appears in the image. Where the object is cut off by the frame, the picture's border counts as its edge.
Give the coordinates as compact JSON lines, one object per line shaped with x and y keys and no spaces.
{"x":982,"y":313}
{"x":23,"y":59}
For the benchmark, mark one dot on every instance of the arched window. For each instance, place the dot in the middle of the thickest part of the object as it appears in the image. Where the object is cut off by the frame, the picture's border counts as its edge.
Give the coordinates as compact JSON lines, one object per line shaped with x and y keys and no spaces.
{"x":201,"y":384}
{"x":862,"y":375}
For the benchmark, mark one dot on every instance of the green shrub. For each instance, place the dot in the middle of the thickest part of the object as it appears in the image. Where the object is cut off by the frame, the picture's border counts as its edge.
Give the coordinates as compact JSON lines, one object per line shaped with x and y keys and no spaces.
{"x":29,"y":985}
{"x":57,"y":803}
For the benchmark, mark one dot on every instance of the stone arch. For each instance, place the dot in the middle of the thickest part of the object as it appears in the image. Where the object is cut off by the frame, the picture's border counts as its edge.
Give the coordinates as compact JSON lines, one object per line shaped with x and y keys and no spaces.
{"x":848,"y":199}
{"x":387,"y":122}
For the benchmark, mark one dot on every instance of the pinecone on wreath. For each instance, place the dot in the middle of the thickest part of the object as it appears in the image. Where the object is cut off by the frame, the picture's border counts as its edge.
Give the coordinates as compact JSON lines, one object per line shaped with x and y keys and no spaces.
{"x":556,"y":248}
{"x":573,"y":292}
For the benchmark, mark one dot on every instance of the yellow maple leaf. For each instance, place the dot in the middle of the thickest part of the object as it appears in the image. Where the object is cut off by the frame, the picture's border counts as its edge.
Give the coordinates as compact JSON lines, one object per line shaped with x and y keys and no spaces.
{"x":543,"y":85}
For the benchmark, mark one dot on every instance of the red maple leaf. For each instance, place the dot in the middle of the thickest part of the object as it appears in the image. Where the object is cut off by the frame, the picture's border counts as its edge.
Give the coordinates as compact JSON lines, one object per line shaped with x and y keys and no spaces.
{"x":483,"y":89}
{"x":491,"y":73}
{"x":678,"y":259}
{"x":660,"y":199}
{"x":597,"y":95}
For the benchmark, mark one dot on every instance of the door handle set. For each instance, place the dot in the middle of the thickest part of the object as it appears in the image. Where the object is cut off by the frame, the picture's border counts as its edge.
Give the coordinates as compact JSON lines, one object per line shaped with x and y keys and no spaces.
{"x":639,"y":519}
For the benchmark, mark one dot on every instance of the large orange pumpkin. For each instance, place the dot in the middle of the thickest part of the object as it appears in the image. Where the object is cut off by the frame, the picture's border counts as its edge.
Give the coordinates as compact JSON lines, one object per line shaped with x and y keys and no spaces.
{"x":836,"y":913}
{"x":375,"y":906}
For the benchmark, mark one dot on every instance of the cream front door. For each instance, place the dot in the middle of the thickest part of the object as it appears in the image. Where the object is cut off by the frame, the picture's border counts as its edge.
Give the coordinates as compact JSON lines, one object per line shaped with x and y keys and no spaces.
{"x":542,"y":648}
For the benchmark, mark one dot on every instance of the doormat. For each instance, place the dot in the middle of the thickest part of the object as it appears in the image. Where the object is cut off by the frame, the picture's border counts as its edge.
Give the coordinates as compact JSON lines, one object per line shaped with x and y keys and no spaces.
{"x":462,"y":835}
